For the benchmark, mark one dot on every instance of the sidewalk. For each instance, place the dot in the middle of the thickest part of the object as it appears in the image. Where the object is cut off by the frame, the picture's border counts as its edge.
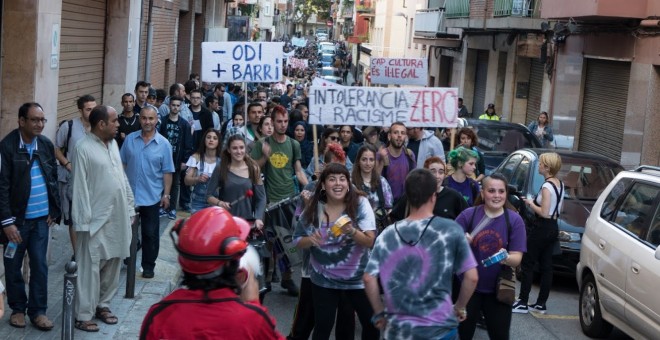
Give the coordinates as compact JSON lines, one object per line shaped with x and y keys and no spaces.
{"x":130,"y":312}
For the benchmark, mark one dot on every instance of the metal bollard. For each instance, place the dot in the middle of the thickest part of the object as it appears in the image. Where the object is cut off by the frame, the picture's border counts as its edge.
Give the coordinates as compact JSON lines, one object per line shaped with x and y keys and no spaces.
{"x":70,"y":279}
{"x":131,"y":267}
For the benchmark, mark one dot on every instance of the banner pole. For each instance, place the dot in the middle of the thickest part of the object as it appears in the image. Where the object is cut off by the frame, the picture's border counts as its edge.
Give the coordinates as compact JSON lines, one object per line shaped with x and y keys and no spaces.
{"x":316,"y":148}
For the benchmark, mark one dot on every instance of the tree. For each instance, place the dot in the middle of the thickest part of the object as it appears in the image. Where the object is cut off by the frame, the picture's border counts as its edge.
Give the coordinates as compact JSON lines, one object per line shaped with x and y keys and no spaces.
{"x":306,"y":8}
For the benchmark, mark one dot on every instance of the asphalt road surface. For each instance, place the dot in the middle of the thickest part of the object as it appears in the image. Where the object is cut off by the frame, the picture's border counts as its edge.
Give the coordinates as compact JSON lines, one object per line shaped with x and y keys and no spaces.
{"x":560,"y":322}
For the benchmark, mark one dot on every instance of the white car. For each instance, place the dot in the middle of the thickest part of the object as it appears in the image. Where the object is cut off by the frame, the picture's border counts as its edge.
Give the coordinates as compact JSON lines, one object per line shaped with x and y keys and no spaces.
{"x":619,"y":268}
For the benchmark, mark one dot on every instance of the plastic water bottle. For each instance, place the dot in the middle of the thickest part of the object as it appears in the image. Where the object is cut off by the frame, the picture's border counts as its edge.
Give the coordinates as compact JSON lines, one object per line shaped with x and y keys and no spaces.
{"x":495,"y":258}
{"x":11,"y":250}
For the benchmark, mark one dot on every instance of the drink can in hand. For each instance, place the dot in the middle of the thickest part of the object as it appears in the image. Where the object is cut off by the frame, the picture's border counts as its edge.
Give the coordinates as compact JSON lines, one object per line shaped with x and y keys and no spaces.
{"x":11,"y":250}
{"x":495,"y":258}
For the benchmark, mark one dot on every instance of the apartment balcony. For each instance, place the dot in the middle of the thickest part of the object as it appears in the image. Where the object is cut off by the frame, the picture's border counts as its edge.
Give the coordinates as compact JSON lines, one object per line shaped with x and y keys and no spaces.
{"x":430,"y":29}
{"x":503,"y":15}
{"x":595,"y":10}
{"x":457,"y":8}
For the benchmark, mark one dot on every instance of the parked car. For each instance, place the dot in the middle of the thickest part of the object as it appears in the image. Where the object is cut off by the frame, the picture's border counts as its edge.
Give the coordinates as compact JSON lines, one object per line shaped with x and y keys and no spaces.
{"x":619,"y":268}
{"x":334,"y":79}
{"x":326,"y":60}
{"x":585,"y":175}
{"x":498,"y":139}
{"x":329,"y":71}
{"x":327,"y":48}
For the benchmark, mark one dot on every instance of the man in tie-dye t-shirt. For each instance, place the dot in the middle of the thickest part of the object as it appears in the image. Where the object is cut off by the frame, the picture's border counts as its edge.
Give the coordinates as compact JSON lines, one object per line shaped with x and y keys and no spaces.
{"x":415,"y":260}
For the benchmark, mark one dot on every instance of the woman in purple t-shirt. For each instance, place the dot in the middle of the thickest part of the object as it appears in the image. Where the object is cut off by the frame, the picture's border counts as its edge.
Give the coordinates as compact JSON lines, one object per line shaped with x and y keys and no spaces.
{"x":464,"y":162}
{"x":490,"y":226}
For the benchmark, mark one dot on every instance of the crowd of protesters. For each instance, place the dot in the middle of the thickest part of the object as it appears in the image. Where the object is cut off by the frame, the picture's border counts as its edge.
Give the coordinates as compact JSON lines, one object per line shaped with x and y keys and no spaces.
{"x":366,"y":215}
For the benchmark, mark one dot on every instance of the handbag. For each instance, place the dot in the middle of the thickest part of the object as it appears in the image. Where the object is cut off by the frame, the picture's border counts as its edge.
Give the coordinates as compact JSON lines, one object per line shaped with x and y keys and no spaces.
{"x":506,"y":285}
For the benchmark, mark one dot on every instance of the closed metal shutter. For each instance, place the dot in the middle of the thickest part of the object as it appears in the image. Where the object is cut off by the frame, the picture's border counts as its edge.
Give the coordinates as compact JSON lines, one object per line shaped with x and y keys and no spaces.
{"x":604,"y":107}
{"x":480,"y":77}
{"x":82,"y":48}
{"x":535,"y":90}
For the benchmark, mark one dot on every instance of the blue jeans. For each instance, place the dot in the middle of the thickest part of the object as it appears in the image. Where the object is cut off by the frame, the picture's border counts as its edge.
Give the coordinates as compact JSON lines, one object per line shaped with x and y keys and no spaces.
{"x":150,"y":225}
{"x":35,"y":240}
{"x":184,"y":191}
{"x":174,"y":190}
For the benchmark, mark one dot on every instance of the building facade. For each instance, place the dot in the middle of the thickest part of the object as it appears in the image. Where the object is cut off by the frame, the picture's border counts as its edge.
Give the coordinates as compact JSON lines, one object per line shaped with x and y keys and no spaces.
{"x":56,"y":51}
{"x":592,"y":66}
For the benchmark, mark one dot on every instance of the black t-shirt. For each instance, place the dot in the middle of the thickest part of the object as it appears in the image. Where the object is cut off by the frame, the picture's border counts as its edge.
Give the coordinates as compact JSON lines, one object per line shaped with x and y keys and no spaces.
{"x":449,"y":204}
{"x":126,"y":126}
{"x":173,"y":134}
{"x":205,"y":118}
{"x":414,"y":146}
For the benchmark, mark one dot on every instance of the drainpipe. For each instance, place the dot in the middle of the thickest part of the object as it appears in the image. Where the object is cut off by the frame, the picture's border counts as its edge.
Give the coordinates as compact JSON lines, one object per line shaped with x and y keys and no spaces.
{"x":150,"y":40}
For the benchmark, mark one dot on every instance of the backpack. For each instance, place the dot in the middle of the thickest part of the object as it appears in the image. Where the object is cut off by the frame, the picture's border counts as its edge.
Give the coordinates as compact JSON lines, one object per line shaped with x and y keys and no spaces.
{"x":386,"y":162}
{"x":65,"y":147}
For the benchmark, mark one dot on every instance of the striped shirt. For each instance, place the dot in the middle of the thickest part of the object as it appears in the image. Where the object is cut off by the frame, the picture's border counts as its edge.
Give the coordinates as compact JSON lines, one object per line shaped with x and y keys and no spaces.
{"x":38,"y":202}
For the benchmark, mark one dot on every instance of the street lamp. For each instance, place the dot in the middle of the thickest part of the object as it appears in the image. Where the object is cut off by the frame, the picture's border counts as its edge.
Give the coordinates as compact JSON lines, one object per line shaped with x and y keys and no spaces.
{"x":405,"y":40}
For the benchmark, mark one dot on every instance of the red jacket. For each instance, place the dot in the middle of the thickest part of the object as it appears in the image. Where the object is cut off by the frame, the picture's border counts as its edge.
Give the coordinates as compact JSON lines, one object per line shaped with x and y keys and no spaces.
{"x":187,"y":314}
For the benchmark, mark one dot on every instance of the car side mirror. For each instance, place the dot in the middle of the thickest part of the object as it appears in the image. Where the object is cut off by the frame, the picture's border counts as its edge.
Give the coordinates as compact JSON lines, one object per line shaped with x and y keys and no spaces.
{"x":657,"y":253}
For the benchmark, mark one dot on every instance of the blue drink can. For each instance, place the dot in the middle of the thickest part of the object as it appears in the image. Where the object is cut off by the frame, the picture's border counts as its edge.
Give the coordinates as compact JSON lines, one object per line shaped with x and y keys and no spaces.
{"x":11,"y":250}
{"x":495,"y":258}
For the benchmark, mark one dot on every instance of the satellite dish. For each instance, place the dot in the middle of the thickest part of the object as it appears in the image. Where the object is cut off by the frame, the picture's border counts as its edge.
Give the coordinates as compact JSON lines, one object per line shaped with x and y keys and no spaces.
{"x":572,"y":27}
{"x":545,"y":26}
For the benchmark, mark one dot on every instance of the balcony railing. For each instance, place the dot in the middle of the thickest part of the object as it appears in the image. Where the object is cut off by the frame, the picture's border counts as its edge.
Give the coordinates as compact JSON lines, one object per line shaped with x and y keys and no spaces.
{"x":517,"y":8}
{"x":457,"y":8}
{"x":428,"y":22}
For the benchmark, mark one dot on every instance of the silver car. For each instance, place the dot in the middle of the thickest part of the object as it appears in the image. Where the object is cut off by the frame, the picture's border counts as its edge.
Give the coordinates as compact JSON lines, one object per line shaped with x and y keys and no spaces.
{"x":619,"y":268}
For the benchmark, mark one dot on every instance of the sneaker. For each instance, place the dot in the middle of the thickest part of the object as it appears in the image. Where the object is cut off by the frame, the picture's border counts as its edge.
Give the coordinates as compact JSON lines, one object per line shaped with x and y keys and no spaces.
{"x":290,"y":287}
{"x":162,"y":212}
{"x":519,"y":307}
{"x":172,"y":215}
{"x":538,"y":308}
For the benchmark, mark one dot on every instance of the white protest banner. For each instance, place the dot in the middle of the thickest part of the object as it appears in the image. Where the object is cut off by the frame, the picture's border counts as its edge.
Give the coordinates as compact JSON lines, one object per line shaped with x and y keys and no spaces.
{"x":401,"y":71}
{"x":299,"y":42}
{"x":318,"y":81}
{"x":378,"y":106}
{"x":242,"y":62}
{"x":297,"y":63}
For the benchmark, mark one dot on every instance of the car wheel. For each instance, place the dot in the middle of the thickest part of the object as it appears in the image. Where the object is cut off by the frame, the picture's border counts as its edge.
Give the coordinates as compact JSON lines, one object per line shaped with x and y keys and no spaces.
{"x":591,"y":318}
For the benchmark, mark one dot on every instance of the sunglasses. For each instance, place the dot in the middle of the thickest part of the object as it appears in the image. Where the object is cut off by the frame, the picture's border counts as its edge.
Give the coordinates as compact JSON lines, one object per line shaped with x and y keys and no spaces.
{"x":333,"y":138}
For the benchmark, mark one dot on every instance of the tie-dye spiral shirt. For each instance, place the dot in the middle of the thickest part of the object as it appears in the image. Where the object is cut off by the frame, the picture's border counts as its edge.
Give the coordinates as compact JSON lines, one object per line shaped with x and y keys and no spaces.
{"x":339,"y":262}
{"x":417,"y":279}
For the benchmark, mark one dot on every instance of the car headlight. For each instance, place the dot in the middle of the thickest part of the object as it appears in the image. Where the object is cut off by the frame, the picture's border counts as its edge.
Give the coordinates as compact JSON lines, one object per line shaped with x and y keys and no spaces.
{"x":566,"y":236}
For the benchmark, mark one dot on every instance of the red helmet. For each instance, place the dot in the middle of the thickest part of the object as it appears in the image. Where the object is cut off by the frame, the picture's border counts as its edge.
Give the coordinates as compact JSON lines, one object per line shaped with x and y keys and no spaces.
{"x":208,"y":239}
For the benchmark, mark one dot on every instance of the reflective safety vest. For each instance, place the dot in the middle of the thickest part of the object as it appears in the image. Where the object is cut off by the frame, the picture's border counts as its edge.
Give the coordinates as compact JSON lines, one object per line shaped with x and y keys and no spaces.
{"x":485,"y":116}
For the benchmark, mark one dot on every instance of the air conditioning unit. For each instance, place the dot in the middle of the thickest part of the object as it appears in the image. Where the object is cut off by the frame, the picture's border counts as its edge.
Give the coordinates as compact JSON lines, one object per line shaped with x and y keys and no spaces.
{"x":521,"y":8}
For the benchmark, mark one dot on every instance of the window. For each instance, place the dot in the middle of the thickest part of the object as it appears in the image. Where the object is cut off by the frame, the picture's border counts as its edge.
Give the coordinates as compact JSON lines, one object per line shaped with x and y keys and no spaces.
{"x":610,"y":203}
{"x":637,"y":209}
{"x":654,"y":231}
{"x":510,"y":166}
{"x":519,"y":178}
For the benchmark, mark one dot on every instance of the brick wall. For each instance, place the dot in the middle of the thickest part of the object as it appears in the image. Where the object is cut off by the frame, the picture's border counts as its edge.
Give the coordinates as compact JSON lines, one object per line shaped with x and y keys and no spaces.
{"x":163,"y":56}
{"x":183,"y":46}
{"x":200,"y":24}
{"x":481,"y":8}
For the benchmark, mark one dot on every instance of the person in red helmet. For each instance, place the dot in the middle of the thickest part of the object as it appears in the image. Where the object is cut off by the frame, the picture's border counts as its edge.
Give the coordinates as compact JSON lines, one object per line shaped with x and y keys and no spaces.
{"x":220,"y":299}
